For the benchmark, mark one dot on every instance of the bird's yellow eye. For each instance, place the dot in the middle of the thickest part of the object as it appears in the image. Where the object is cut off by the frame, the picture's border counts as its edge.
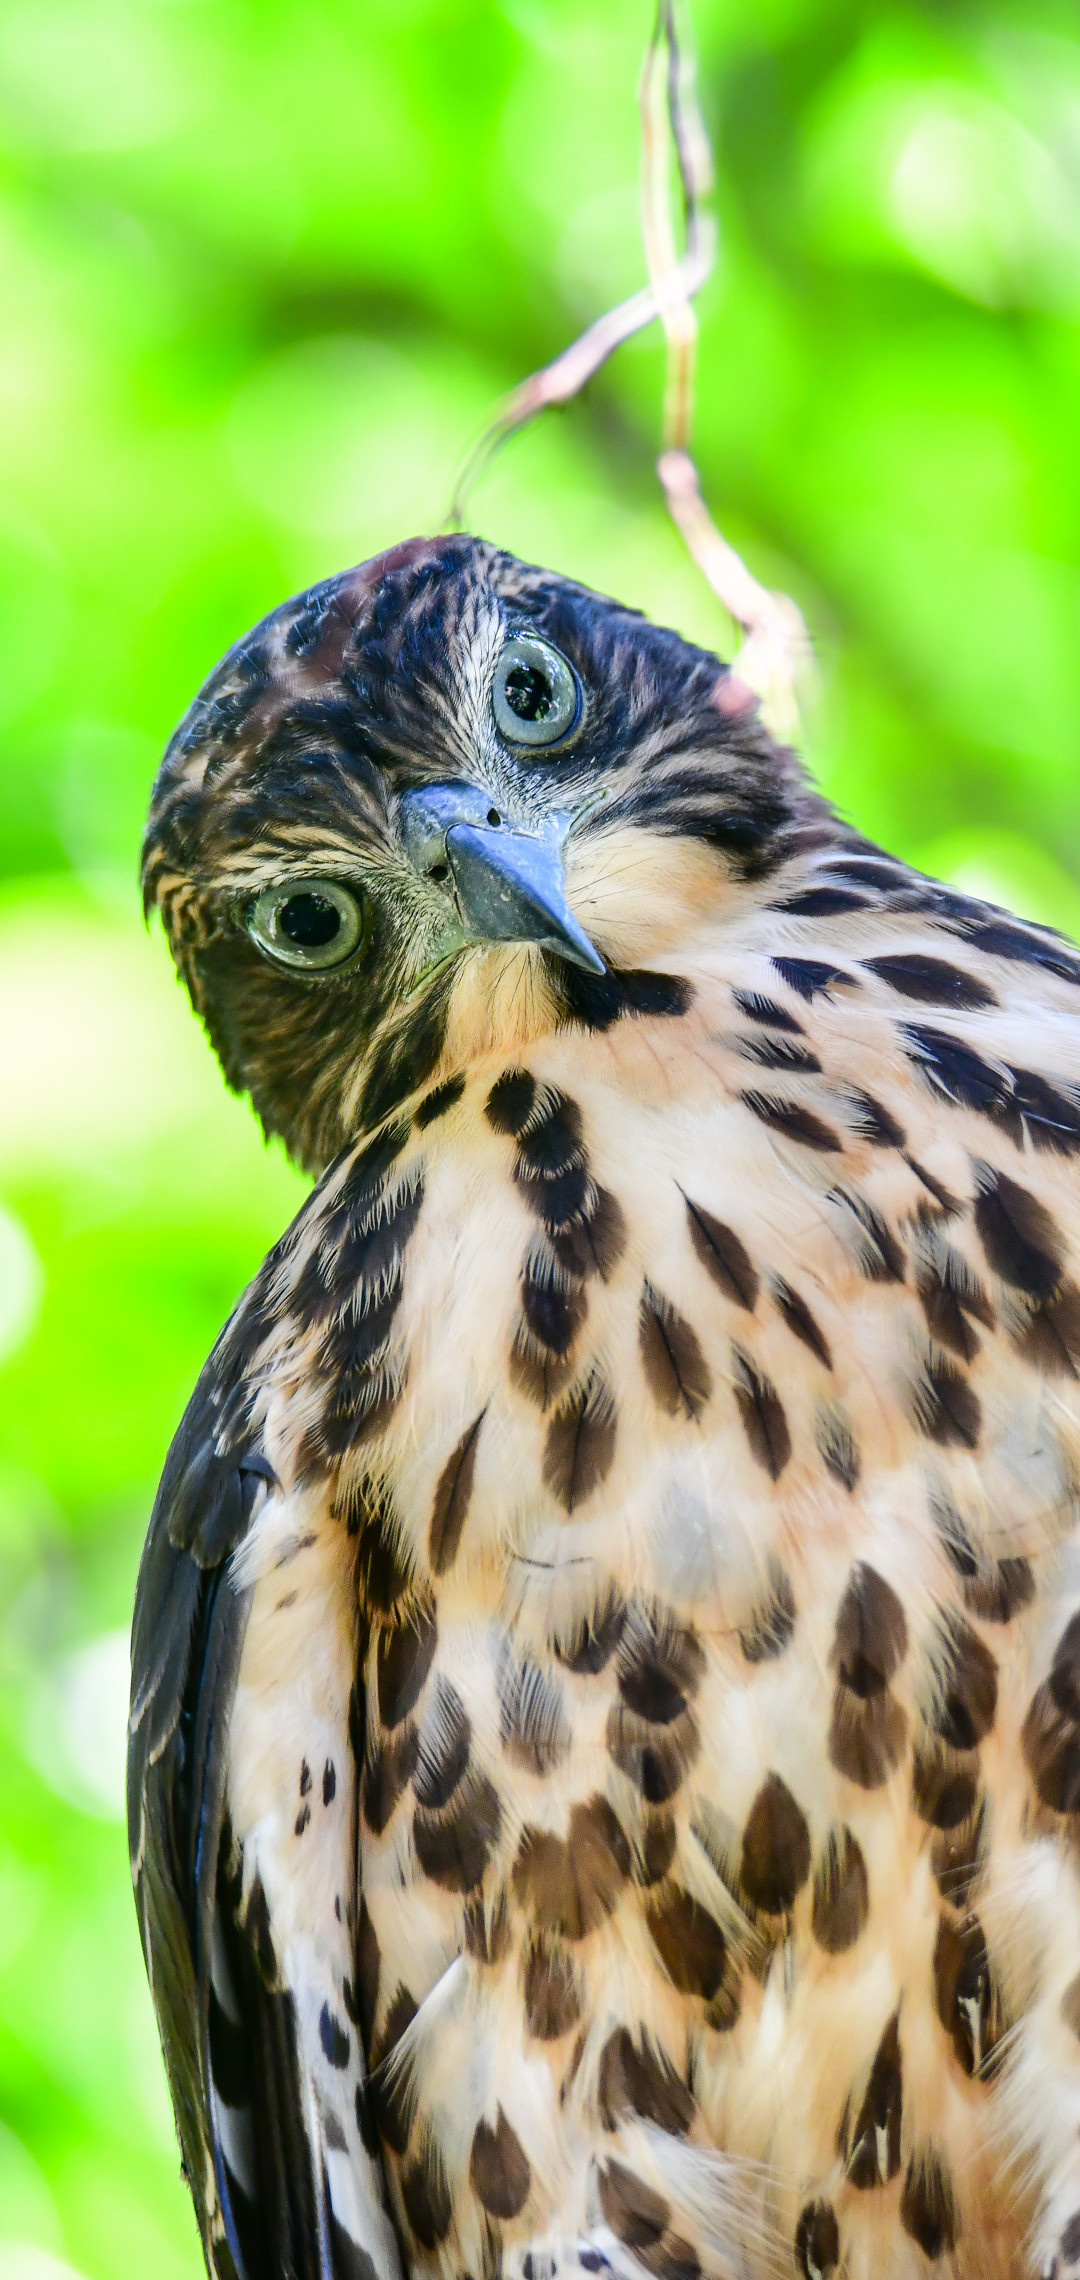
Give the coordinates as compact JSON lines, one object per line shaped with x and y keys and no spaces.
{"x":535,"y":696}
{"x":308,"y":924}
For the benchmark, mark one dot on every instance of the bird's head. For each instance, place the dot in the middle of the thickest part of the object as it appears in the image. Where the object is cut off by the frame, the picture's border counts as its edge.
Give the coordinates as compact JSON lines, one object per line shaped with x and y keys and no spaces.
{"x":438,"y":805}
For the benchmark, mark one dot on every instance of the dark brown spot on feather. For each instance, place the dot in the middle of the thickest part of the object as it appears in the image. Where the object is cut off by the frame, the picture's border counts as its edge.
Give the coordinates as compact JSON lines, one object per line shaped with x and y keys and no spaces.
{"x":724,"y":1256}
{"x":673,"y":2258}
{"x":866,"y":1736}
{"x":510,"y":1102}
{"x":499,"y":2171}
{"x":968,"y":1999}
{"x":368,"y":1966}
{"x":1070,"y":2238}
{"x":931,"y":981}
{"x":928,"y":2210}
{"x":539,"y":1373}
{"x":955,"y":1072}
{"x":876,"y":1251}
{"x":333,"y":2037}
{"x":823,"y":902}
{"x":658,"y":1840}
{"x":532,"y":1717}
{"x":452,"y":1497}
{"x":871,"y":1635}
{"x":655,"y":1758}
{"x":957,"y":1858}
{"x":390,"y":2087}
{"x":554,"y":1307}
{"x":660,"y":1665}
{"x":841,"y":1894}
{"x":676,"y":1371}
{"x":874,"y":2147}
{"x":260,"y":1937}
{"x":1064,"y":1679}
{"x":444,"y":1748}
{"x":581,"y":1440}
{"x":950,"y":1293}
{"x":437,"y":1102}
{"x":690,"y":1944}
{"x":811,"y":977}
{"x":817,"y":2241}
{"x":967,"y":1707}
{"x":1050,"y":1337}
{"x":781,"y":1053}
{"x":836,"y":1447}
{"x":801,"y":1322}
{"x":454,"y":1848}
{"x":597,"y":1001}
{"x":1051,"y":1730}
{"x":769,"y":1629}
{"x":382,"y":1566}
{"x":591,"y":1644}
{"x":944,"y":1785}
{"x":552,"y":1994}
{"x":571,"y":1884}
{"x":761,"y":1412}
{"x":873,"y":1122}
{"x":792,"y":1121}
{"x":775,"y":1859}
{"x":387,"y":1775}
{"x":636,"y":2214}
{"x":487,"y":1930}
{"x":766,"y":1011}
{"x":402,"y":1662}
{"x":640,"y":2079}
{"x":944,"y":1406}
{"x":302,"y":1819}
{"x":425,"y":2193}
{"x":1018,"y":1235}
{"x":593,"y":1241}
{"x":946,"y":1205}
{"x":333,"y":2134}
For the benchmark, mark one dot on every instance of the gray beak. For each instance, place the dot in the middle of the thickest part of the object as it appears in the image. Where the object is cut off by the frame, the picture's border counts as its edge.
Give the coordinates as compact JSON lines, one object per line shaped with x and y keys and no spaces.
{"x":509,"y":884}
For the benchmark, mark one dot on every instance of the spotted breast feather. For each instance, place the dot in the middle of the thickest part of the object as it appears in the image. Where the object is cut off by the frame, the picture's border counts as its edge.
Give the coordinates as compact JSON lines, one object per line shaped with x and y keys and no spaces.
{"x":606,"y":1710}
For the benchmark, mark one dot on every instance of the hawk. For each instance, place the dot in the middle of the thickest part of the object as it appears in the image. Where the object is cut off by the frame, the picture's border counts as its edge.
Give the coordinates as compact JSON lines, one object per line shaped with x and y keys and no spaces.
{"x":605,"y":1731}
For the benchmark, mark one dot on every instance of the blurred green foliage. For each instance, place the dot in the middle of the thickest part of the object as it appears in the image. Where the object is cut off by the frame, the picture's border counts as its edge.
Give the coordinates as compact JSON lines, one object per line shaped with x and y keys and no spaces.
{"x":264,"y":266}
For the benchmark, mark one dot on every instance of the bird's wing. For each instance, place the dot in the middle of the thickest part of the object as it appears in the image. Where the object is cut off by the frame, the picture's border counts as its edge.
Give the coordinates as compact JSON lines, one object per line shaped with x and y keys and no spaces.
{"x":249,"y":1934}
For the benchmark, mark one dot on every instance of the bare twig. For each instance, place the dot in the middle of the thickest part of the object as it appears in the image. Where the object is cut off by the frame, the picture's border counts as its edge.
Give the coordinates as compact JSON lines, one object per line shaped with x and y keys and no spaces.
{"x":776,"y":648}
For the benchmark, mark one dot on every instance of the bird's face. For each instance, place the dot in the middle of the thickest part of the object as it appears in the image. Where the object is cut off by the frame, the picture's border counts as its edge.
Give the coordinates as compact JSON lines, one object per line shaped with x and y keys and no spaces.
{"x":434,"y":806}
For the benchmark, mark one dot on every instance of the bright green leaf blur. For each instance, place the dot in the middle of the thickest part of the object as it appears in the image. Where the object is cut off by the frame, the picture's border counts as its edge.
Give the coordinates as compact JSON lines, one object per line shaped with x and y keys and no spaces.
{"x":264,"y":267}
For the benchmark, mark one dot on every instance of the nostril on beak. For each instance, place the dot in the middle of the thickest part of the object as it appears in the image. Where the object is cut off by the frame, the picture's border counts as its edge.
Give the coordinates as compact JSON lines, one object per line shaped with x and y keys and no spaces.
{"x":494,"y":817}
{"x":439,"y":872}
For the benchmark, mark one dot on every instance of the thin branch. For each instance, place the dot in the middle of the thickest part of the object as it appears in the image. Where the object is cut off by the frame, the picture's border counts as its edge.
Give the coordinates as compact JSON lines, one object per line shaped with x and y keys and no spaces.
{"x":775,"y":652}
{"x":776,"y":648}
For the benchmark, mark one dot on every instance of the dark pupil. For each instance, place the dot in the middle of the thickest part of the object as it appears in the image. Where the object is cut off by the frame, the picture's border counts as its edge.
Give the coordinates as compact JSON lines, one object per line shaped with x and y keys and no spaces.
{"x":528,"y":692}
{"x":309,"y":921}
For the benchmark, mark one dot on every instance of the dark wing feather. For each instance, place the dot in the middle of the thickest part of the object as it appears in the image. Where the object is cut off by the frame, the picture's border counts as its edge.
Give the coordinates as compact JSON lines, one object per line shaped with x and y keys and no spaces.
{"x":227,"y":2030}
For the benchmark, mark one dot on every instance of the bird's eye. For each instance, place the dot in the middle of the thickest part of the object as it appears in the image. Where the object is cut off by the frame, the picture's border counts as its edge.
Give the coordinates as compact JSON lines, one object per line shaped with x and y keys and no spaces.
{"x":307,"y":923}
{"x":535,"y":698}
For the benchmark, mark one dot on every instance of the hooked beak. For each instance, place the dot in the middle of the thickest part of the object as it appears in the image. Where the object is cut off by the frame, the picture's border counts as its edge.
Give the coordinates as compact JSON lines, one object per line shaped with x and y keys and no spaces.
{"x":509,"y":884}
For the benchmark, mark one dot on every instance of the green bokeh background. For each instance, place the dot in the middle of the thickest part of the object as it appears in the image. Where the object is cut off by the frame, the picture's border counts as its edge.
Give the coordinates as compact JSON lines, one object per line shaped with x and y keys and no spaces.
{"x":264,"y":266}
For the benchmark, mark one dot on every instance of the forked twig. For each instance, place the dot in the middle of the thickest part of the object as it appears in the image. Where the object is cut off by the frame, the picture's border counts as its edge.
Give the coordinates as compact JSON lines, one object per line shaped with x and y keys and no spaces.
{"x":776,"y":647}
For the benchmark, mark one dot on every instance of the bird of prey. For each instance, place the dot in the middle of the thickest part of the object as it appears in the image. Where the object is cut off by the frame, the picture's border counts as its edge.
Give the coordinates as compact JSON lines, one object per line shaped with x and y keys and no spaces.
{"x":605,"y":1733}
